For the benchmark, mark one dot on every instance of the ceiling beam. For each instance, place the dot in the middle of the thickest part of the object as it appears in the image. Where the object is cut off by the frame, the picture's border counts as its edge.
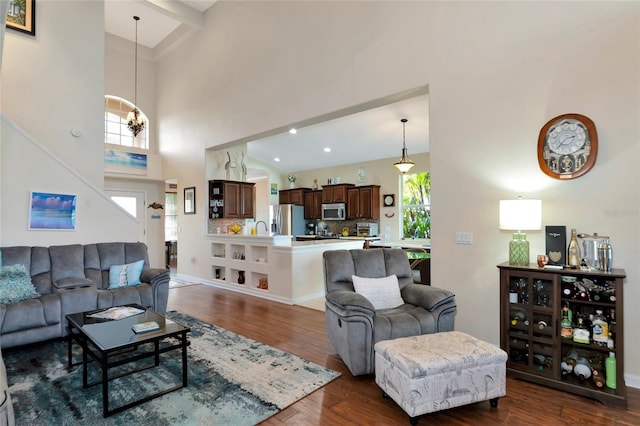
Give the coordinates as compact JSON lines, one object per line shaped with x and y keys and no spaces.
{"x":179,"y":11}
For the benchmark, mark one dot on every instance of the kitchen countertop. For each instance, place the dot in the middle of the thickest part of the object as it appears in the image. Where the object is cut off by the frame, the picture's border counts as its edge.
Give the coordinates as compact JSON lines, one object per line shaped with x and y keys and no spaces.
{"x":423,"y":243}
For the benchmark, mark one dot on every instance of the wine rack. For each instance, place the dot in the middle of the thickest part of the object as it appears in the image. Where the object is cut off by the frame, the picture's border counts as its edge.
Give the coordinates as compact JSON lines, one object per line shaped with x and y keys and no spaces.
{"x":531,"y":304}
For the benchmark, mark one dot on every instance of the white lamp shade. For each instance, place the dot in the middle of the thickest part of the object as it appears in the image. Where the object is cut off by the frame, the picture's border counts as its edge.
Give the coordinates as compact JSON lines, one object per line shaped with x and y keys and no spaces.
{"x":521,"y":215}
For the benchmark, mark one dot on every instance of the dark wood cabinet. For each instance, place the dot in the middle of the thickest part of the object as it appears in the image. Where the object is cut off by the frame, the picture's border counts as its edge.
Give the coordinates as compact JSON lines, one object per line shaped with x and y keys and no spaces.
{"x":293,"y":196}
{"x":231,"y":199}
{"x":363,"y":202}
{"x":531,"y":305}
{"x":313,"y":204}
{"x":336,"y":193}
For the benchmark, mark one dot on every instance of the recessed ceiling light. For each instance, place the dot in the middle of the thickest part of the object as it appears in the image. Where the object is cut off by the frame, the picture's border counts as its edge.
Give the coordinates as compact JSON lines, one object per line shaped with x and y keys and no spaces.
{"x":327,"y":149}
{"x":293,"y":131}
{"x":277,"y":159}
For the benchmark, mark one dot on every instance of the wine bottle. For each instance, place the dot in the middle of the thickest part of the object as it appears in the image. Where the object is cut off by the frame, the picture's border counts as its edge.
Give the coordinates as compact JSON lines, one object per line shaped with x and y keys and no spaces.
{"x":597,"y":372}
{"x":573,"y":252}
{"x":582,"y":368}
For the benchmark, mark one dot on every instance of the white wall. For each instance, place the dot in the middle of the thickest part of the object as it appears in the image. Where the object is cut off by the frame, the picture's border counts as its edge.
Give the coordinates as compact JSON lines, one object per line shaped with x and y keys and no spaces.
{"x":497,"y":71}
{"x":54,"y":83}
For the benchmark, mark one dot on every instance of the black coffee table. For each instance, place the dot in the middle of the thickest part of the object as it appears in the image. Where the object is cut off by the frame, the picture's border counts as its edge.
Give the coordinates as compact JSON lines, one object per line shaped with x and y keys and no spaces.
{"x":112,"y":343}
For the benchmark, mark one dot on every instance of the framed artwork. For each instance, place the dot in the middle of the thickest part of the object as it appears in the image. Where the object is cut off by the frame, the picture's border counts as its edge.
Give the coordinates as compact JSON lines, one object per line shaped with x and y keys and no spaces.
{"x":52,"y":211}
{"x":190,"y":200}
{"x":274,"y":189}
{"x":389,"y":200}
{"x":21,"y":16}
{"x":125,"y":162}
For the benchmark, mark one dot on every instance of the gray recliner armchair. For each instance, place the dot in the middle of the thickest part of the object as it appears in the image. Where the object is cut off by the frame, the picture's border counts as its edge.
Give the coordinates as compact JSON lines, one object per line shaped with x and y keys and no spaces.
{"x":353,"y":324}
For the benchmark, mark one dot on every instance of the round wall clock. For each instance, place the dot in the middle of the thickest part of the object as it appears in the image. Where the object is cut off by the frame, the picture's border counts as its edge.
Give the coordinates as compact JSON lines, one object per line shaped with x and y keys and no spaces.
{"x":567,"y":146}
{"x":389,"y":200}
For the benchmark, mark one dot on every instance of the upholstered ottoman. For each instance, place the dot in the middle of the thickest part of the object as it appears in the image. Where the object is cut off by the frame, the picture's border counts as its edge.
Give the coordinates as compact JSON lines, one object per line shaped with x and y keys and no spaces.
{"x":434,"y":372}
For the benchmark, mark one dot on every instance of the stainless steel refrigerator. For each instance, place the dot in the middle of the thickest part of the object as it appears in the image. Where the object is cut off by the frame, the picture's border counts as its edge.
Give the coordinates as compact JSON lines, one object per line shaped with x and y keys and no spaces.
{"x":287,"y":219}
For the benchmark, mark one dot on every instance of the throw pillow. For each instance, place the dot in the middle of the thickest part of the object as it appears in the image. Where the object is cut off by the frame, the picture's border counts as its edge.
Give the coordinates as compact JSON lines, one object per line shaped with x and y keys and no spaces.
{"x":125,"y":275}
{"x":383,"y":293}
{"x":15,"y":284}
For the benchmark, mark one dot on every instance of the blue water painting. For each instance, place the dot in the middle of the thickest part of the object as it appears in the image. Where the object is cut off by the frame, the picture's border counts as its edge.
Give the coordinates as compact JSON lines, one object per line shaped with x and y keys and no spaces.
{"x":125,"y":162}
{"x":52,"y":211}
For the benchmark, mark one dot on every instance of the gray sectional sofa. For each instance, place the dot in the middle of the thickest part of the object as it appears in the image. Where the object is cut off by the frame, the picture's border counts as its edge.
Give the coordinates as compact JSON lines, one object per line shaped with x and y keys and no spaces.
{"x":75,"y":278}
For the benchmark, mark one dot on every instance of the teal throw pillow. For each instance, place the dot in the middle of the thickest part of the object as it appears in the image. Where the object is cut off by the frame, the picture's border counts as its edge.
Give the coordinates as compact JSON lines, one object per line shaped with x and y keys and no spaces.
{"x":128,"y":275}
{"x":15,"y":284}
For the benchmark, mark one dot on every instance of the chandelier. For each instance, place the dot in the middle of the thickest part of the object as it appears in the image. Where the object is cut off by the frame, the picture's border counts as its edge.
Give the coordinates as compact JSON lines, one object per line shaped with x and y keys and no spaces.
{"x":405,"y":164}
{"x":135,"y":122}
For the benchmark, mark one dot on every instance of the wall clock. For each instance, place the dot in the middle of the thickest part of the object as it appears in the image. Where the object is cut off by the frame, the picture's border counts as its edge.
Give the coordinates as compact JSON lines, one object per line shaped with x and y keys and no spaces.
{"x":389,"y":200}
{"x":567,"y":146}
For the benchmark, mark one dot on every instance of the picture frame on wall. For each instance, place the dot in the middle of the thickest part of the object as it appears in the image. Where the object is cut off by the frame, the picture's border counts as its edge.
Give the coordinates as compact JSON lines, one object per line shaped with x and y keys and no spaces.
{"x":52,"y":211}
{"x":21,"y":16}
{"x":190,"y":200}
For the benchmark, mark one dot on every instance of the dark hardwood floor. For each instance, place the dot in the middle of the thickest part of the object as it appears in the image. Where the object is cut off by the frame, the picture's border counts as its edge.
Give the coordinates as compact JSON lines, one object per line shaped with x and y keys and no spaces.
{"x":352,"y":400}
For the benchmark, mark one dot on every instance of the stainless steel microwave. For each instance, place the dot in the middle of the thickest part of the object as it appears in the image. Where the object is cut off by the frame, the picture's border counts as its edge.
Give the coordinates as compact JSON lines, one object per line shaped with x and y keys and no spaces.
{"x":335,"y":211}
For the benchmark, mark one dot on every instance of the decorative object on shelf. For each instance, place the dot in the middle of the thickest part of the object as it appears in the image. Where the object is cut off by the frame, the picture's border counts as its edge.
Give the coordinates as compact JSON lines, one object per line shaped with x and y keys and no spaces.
{"x":22,"y":16}
{"x":567,"y":146}
{"x":243,"y":167}
{"x":520,"y":215}
{"x":190,"y":200}
{"x":235,"y":229}
{"x":389,"y":200}
{"x":362,"y":177}
{"x":240,"y":277}
{"x":135,"y":120}
{"x":405,"y":164}
{"x":263,"y":284}
{"x":315,"y":184}
{"x":292,"y":180}
{"x":556,"y":242}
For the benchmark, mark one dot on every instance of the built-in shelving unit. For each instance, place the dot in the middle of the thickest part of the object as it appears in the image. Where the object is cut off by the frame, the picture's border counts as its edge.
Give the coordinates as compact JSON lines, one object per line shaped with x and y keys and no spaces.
{"x":230,"y":260}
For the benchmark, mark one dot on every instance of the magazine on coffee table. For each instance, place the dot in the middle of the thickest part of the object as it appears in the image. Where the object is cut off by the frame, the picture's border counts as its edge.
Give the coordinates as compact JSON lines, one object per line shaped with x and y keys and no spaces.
{"x":116,"y":313}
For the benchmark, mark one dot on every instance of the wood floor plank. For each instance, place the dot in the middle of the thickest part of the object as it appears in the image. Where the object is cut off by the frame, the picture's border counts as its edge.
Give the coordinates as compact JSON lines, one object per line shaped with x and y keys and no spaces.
{"x":352,"y":400}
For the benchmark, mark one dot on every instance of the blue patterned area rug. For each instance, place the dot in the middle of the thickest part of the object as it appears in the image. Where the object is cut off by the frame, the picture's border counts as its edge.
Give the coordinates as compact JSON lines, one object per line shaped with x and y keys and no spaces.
{"x":232,"y":381}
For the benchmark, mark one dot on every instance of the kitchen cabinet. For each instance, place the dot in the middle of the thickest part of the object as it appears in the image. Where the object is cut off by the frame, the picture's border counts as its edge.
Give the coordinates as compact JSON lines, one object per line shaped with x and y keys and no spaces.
{"x":231,"y":199}
{"x":335,"y":193}
{"x":293,"y":196}
{"x":531,"y":307}
{"x":313,"y":204}
{"x":363,"y":202}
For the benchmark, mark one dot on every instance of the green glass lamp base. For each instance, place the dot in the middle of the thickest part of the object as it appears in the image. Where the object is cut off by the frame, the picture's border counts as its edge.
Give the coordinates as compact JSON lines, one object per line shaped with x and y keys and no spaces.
{"x":519,"y":250}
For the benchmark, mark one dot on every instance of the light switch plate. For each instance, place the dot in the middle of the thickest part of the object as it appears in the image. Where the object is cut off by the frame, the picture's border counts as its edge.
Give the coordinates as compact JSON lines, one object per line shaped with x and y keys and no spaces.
{"x":464,"y":238}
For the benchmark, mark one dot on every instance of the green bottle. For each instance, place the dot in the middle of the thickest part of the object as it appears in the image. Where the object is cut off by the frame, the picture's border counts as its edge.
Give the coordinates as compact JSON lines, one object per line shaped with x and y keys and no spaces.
{"x":610,"y":370}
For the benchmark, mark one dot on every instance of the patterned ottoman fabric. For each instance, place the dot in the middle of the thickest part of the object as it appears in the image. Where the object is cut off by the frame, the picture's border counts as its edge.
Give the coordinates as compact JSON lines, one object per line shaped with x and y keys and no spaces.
{"x":433,"y":372}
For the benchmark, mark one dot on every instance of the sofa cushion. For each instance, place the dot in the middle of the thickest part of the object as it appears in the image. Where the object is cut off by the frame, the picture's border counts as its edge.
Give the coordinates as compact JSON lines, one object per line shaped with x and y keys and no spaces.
{"x":67,"y":262}
{"x":127,"y":275}
{"x":31,"y":314}
{"x":15,"y":284}
{"x":383,"y":293}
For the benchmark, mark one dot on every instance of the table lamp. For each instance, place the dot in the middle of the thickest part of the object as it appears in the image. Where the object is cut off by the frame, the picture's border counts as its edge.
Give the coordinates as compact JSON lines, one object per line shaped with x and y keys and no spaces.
{"x":520,"y":215}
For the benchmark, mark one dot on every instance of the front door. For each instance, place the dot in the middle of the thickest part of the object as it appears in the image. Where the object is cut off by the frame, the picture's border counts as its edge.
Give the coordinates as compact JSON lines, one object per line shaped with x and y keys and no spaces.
{"x":133,"y":203}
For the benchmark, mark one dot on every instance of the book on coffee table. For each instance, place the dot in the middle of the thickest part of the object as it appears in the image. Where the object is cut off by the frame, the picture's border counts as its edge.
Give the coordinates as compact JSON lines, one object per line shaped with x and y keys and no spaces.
{"x":116,"y":313}
{"x":145,"y":326}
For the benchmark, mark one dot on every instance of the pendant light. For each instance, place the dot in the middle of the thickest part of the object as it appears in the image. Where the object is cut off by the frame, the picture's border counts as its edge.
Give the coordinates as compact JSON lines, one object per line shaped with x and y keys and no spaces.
{"x":405,"y":164}
{"x":135,"y":122}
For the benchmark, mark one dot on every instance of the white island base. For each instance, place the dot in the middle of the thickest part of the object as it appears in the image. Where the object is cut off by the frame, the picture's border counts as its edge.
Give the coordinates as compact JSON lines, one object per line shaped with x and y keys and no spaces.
{"x":292,"y":270}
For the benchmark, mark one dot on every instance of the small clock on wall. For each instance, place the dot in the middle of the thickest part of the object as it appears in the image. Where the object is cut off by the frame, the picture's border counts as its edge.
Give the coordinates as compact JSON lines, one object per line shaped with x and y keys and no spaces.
{"x":389,"y":200}
{"x":567,"y":146}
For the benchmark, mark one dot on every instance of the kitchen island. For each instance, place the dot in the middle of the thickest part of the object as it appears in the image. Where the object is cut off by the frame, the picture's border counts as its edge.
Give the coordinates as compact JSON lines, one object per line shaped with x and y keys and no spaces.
{"x":272,"y":267}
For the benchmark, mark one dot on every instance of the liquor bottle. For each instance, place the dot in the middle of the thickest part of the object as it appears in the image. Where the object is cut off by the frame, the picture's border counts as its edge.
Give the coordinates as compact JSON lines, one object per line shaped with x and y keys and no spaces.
{"x":600,"y":329}
{"x":566,"y":328}
{"x":519,"y":317}
{"x":610,"y":370}
{"x":573,"y":252}
{"x":581,"y":332}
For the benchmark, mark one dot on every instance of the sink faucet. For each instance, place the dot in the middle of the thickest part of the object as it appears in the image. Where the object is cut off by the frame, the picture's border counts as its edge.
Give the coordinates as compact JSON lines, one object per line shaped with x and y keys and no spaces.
{"x":265,"y":225}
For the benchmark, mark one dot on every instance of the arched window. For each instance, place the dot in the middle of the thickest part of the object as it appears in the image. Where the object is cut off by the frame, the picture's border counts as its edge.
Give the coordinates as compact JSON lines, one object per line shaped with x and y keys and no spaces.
{"x":116,"y":131}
